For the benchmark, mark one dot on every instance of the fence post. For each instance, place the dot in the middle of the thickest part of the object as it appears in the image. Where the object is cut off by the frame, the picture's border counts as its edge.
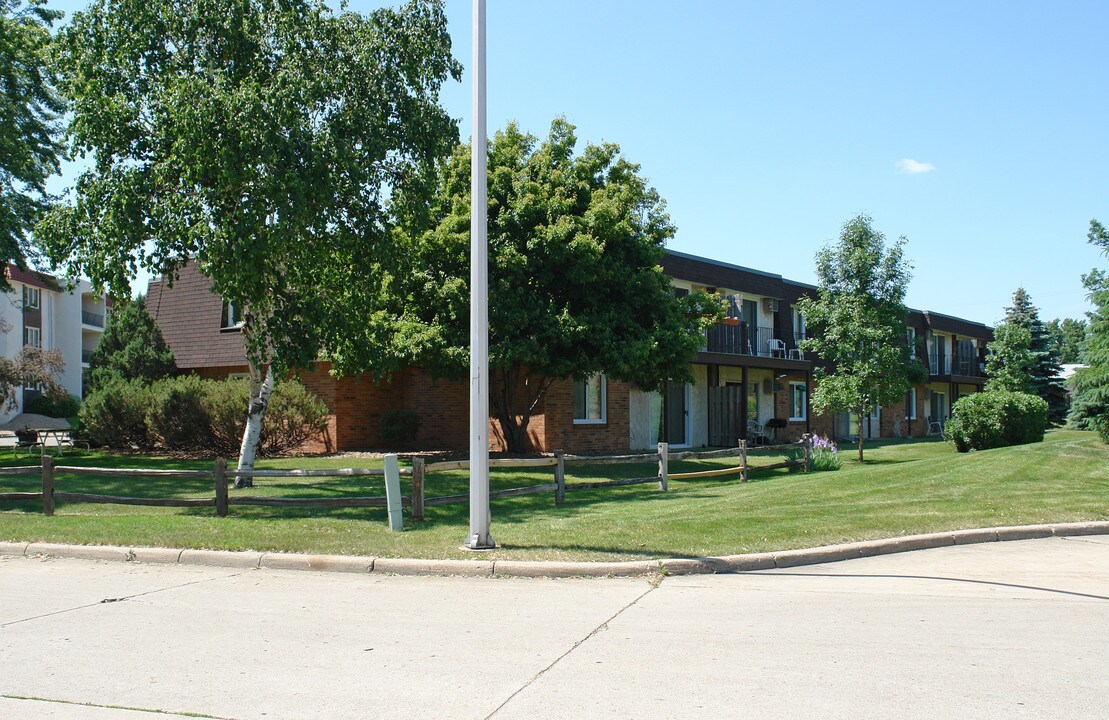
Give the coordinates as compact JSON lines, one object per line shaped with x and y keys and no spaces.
{"x":663,"y":466}
{"x":743,"y":460}
{"x":560,"y":478}
{"x":418,"y":488}
{"x":806,"y":440}
{"x":220,"y":475}
{"x":47,"y":485}
{"x":392,"y":493}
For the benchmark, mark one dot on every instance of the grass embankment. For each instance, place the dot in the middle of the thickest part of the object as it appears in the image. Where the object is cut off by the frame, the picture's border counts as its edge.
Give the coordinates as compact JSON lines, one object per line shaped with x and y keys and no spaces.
{"x":904,"y":487}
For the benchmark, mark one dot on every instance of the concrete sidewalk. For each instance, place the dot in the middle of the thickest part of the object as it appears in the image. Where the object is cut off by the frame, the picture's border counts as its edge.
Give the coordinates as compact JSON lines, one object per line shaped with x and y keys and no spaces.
{"x":999,"y":630}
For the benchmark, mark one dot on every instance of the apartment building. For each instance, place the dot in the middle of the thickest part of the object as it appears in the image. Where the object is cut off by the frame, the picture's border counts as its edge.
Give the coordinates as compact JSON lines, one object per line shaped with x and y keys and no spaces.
{"x":41,"y":312}
{"x":750,"y":376}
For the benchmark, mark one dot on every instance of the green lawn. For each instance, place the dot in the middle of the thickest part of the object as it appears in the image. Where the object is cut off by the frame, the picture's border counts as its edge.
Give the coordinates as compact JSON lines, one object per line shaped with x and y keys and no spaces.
{"x":904,"y":487}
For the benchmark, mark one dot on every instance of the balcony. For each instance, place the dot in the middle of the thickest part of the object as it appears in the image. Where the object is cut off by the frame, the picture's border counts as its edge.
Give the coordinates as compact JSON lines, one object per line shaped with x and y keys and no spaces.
{"x":741,"y":339}
{"x":86,"y":356}
{"x":962,"y":364}
{"x":92,"y":319}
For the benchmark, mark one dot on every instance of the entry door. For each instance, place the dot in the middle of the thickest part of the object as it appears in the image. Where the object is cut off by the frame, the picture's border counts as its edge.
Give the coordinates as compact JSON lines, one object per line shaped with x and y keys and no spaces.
{"x":677,"y":414}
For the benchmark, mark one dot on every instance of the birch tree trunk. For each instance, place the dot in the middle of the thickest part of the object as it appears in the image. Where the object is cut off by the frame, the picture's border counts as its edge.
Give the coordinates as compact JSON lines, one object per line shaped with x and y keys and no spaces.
{"x":260,"y":391}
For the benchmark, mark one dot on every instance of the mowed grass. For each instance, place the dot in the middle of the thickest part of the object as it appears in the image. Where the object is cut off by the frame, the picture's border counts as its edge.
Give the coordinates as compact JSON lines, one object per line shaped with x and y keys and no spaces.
{"x":904,"y":487}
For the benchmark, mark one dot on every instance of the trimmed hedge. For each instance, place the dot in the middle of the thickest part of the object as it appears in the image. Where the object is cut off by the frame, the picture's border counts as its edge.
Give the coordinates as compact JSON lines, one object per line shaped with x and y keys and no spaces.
{"x":996,"y":418}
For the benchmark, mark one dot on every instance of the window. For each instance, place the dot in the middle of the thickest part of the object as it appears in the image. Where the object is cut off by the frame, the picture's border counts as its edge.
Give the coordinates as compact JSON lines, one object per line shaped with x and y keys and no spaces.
{"x":232,"y":316}
{"x":32,"y":337}
{"x":798,"y":325}
{"x":910,"y":340}
{"x":910,"y":405}
{"x":32,"y":298}
{"x":589,"y":400}
{"x":797,"y":406}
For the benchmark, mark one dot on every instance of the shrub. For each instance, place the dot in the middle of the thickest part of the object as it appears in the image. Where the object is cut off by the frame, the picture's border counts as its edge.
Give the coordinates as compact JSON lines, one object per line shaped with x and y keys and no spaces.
{"x":294,"y":416}
{"x":996,"y":418}
{"x":225,"y":403}
{"x":66,"y":406}
{"x":825,"y":454}
{"x":177,"y":417}
{"x":115,"y":415}
{"x":399,"y":427}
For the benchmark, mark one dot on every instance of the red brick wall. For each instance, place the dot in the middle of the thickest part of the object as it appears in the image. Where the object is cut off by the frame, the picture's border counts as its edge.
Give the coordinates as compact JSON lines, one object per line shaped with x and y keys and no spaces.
{"x":560,"y":432}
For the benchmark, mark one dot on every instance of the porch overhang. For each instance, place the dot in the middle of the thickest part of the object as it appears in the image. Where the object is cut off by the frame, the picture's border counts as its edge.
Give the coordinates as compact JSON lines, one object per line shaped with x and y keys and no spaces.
{"x":752,"y":361}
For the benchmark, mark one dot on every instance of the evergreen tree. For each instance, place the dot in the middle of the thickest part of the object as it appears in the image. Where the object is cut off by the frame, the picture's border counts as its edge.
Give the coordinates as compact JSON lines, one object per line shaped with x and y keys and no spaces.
{"x":132,"y":348}
{"x":1090,"y":409}
{"x":1045,"y":368}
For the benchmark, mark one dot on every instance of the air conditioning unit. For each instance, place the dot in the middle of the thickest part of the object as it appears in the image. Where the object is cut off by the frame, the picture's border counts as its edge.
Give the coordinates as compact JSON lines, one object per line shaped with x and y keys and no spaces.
{"x":767,"y":386}
{"x":770,"y":305}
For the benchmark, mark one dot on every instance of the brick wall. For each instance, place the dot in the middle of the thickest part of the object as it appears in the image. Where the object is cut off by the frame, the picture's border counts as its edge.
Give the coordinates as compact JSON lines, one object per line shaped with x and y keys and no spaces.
{"x":560,"y":432}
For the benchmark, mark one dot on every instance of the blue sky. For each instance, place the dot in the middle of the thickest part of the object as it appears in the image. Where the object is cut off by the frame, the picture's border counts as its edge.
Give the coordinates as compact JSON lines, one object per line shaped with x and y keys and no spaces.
{"x":767,"y":125}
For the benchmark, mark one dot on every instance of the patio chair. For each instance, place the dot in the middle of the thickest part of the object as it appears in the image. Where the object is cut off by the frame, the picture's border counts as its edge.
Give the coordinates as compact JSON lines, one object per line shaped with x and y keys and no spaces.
{"x":934,"y":428}
{"x":757,"y":433}
{"x":776,"y":347}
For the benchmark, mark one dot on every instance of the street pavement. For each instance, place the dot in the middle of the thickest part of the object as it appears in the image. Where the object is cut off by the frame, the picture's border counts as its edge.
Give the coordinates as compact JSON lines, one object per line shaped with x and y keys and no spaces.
{"x":997,"y":630}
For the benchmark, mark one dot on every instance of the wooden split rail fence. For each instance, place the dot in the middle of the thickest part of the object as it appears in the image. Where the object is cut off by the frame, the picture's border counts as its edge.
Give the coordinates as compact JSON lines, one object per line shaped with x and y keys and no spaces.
{"x":219,"y":475}
{"x":393,"y":500}
{"x":663,"y":457}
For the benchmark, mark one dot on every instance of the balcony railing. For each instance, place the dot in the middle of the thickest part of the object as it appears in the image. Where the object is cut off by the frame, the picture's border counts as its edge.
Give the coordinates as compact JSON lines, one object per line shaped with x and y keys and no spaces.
{"x":964,"y":364}
{"x":91,"y":318}
{"x":741,"y":339}
{"x":86,"y":356}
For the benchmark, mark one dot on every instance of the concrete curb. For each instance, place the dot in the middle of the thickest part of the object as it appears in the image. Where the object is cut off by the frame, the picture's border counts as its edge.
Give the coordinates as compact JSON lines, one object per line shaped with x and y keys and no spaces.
{"x":539,"y":568}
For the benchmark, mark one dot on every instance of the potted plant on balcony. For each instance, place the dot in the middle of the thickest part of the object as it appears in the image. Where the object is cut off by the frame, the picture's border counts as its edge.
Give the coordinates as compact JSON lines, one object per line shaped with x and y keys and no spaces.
{"x":732,"y":321}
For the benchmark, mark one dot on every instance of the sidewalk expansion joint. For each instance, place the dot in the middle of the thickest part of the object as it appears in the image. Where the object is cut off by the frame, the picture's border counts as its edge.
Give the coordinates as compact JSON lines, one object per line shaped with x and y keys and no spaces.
{"x":603,"y":626}
{"x":111,"y":600}
{"x":151,"y":711}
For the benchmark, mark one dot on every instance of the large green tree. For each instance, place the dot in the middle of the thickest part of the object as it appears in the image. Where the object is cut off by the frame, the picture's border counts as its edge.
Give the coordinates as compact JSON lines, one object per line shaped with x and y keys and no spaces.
{"x":262,"y":140}
{"x":1066,"y":336}
{"x":859,"y":323}
{"x":1090,"y":409}
{"x":575,"y":283}
{"x":132,"y":348}
{"x":30,"y":132}
{"x":1045,"y":370}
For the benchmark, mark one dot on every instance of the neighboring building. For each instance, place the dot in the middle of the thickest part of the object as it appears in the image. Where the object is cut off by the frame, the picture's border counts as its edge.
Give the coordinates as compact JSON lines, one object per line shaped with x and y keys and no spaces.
{"x":40,"y":311}
{"x":750,"y":371}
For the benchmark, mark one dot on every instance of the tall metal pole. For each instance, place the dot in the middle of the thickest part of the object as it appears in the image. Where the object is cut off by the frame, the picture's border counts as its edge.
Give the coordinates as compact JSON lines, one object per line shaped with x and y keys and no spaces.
{"x":479,"y":537}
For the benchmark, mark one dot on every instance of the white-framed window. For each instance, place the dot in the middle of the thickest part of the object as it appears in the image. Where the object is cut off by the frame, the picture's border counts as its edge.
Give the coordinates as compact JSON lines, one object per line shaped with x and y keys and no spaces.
{"x":232,"y":316}
{"x":32,"y":337}
{"x":910,"y":340}
{"x":798,"y":408}
{"x":589,"y":400}
{"x":910,"y":405}
{"x":32,"y":297}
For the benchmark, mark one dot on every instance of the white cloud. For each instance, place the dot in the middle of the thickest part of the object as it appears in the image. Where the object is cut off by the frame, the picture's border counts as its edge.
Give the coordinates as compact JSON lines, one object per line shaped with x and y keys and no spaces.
{"x":912,"y":167}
